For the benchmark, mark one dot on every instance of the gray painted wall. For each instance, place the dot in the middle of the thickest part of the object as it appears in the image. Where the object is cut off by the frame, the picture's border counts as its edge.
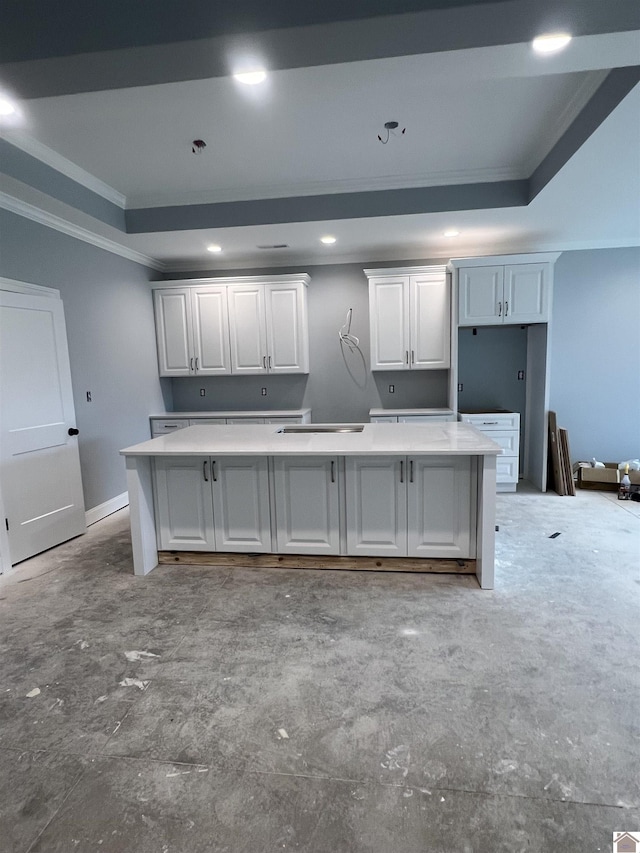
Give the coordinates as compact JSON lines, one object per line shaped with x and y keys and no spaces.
{"x":595,"y":352}
{"x":340,"y":386}
{"x":109,"y":316}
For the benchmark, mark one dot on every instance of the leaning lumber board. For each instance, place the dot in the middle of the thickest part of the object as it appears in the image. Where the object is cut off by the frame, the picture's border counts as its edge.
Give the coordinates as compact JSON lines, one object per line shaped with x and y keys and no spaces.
{"x":558,"y":479}
{"x":304,"y":561}
{"x":568,"y":472}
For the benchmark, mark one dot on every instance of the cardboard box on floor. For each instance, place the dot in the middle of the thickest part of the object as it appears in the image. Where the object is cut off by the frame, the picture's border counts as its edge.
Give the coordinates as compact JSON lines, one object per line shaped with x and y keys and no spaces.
{"x":603,"y":479}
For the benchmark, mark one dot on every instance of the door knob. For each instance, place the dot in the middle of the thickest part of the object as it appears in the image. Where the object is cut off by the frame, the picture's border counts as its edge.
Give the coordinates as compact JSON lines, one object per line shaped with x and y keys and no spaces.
{"x":73,"y":431}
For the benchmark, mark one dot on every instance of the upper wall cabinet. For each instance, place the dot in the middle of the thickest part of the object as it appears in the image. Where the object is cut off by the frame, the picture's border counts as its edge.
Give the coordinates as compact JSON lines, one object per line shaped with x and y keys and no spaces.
{"x":268,"y":328}
{"x":409,"y":317}
{"x":509,"y":293}
{"x":244,"y":325}
{"x":192,"y":331}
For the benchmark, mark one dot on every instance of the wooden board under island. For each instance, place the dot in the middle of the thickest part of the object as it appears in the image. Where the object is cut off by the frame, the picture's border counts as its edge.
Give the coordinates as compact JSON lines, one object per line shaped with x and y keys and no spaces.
{"x":423,"y":494}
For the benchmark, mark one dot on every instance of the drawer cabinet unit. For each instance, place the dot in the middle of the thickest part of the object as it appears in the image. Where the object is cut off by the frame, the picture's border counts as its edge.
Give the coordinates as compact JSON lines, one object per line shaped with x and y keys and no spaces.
{"x":504,"y":429}
{"x":409,"y":317}
{"x":410,"y":416}
{"x":409,"y":507}
{"x":192,"y":331}
{"x":503,"y":294}
{"x":165,"y":425}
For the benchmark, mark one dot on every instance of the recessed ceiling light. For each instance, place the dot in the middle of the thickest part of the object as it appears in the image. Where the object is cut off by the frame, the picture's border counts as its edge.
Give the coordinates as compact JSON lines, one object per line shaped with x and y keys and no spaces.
{"x":213,"y":248}
{"x":251,"y":78}
{"x":6,"y":107}
{"x":451,"y":232}
{"x":550,"y":42}
{"x":328,"y":240}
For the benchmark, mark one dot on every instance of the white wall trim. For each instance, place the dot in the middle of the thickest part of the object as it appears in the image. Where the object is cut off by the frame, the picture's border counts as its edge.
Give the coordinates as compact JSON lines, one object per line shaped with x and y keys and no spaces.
{"x":28,"y":288}
{"x":47,"y":155}
{"x":107,"y":508}
{"x":43,"y":217}
{"x":394,"y":271}
{"x":228,"y":281}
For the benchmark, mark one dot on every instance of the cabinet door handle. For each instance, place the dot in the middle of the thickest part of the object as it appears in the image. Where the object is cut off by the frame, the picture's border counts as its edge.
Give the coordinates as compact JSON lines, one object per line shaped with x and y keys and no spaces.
{"x":406,"y":356}
{"x":333,"y":471}
{"x":506,"y":309}
{"x":401,"y":471}
{"x":264,"y":362}
{"x":191,"y":365}
{"x":196,"y":364}
{"x":413,"y":357}
{"x":489,"y":423}
{"x":213,"y":471}
{"x":204,"y":471}
{"x":269,"y":362}
{"x":411,"y":471}
{"x":499,"y":309}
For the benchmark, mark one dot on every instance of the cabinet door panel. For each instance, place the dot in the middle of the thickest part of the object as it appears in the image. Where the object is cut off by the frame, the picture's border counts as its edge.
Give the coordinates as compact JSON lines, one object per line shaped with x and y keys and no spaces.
{"x":376,"y":506}
{"x":439,"y":507}
{"x":246,"y":329}
{"x":211,"y":331}
{"x":526,"y":293}
{"x":480,"y":296}
{"x":307,"y":505}
{"x":241,"y":504}
{"x":287,"y":334}
{"x":173,"y":332}
{"x":430,"y":322}
{"x":389,"y":318}
{"x":184,"y":504}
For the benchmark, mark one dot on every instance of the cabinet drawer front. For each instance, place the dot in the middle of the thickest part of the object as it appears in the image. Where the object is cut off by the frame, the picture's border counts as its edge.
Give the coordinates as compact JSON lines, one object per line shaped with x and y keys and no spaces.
{"x":161,"y":427}
{"x":488,"y":421}
{"x":425,"y":419}
{"x":383,"y":419}
{"x":507,"y":469}
{"x":245,"y":420}
{"x":508,"y":439}
{"x":283,"y":420}
{"x":206,"y":421}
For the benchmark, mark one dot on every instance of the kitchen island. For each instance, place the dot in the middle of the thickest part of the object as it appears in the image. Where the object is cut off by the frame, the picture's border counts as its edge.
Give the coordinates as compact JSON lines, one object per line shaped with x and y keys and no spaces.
{"x":403,"y":494}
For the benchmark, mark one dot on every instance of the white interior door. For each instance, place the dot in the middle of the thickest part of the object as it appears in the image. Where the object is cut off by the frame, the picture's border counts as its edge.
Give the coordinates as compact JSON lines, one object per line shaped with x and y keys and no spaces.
{"x":39,"y":461}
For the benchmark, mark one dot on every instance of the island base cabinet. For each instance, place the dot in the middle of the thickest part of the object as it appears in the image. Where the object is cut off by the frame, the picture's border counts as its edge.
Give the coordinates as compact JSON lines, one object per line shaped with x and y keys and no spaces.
{"x":307,"y":505}
{"x":376,"y":506}
{"x":241,"y":511}
{"x":184,"y":504}
{"x":439,"y":508}
{"x":409,"y":507}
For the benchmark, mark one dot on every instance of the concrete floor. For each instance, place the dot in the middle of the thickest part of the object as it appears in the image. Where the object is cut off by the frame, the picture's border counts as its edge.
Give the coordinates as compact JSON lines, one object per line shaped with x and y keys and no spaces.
{"x":327,"y":712}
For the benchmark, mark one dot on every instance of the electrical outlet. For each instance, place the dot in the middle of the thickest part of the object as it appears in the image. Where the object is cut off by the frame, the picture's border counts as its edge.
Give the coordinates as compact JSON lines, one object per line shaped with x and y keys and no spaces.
{"x":202,"y":392}
{"x":521,"y":374}
{"x":392,"y":389}
{"x":88,"y":396}
{"x":263,"y":391}
{"x":459,"y":386}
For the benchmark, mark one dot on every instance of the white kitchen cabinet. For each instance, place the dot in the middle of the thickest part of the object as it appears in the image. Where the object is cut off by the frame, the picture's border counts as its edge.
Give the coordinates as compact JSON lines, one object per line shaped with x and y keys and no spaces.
{"x":164,"y":426}
{"x":503,"y":428}
{"x":268,"y":328}
{"x":376,"y":506}
{"x":409,"y":317}
{"x":184,"y":503}
{"x":307,"y":505}
{"x":405,"y":506}
{"x":192,"y":331}
{"x":241,"y":509}
{"x":439,"y":507}
{"x":503,"y":294}
{"x":411,"y":416}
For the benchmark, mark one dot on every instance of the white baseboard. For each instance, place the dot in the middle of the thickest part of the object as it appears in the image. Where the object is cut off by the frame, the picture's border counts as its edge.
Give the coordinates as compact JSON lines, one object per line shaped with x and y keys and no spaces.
{"x":105,"y":509}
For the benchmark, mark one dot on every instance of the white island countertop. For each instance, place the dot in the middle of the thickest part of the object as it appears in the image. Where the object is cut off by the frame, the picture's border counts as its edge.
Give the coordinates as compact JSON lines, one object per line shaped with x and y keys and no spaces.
{"x":439,"y":439}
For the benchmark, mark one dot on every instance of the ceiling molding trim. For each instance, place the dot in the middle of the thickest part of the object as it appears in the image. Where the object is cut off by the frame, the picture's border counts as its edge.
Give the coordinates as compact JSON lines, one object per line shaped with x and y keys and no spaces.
{"x":50,"y":220}
{"x":313,"y":188}
{"x":616,"y":86}
{"x":335,"y":206}
{"x":47,"y":155}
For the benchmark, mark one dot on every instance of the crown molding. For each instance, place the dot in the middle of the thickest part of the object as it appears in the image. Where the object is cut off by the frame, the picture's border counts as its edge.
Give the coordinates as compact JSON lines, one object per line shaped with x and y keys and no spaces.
{"x":66,"y":167}
{"x":312,"y":188}
{"x":50,"y":220}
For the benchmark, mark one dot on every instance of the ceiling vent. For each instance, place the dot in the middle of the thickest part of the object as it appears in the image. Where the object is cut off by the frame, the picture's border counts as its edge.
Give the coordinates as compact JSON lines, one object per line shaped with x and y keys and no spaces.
{"x":274,"y":246}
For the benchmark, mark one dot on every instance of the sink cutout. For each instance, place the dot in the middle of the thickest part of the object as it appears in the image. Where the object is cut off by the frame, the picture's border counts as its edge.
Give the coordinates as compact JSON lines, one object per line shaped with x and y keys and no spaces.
{"x":321,"y":429}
